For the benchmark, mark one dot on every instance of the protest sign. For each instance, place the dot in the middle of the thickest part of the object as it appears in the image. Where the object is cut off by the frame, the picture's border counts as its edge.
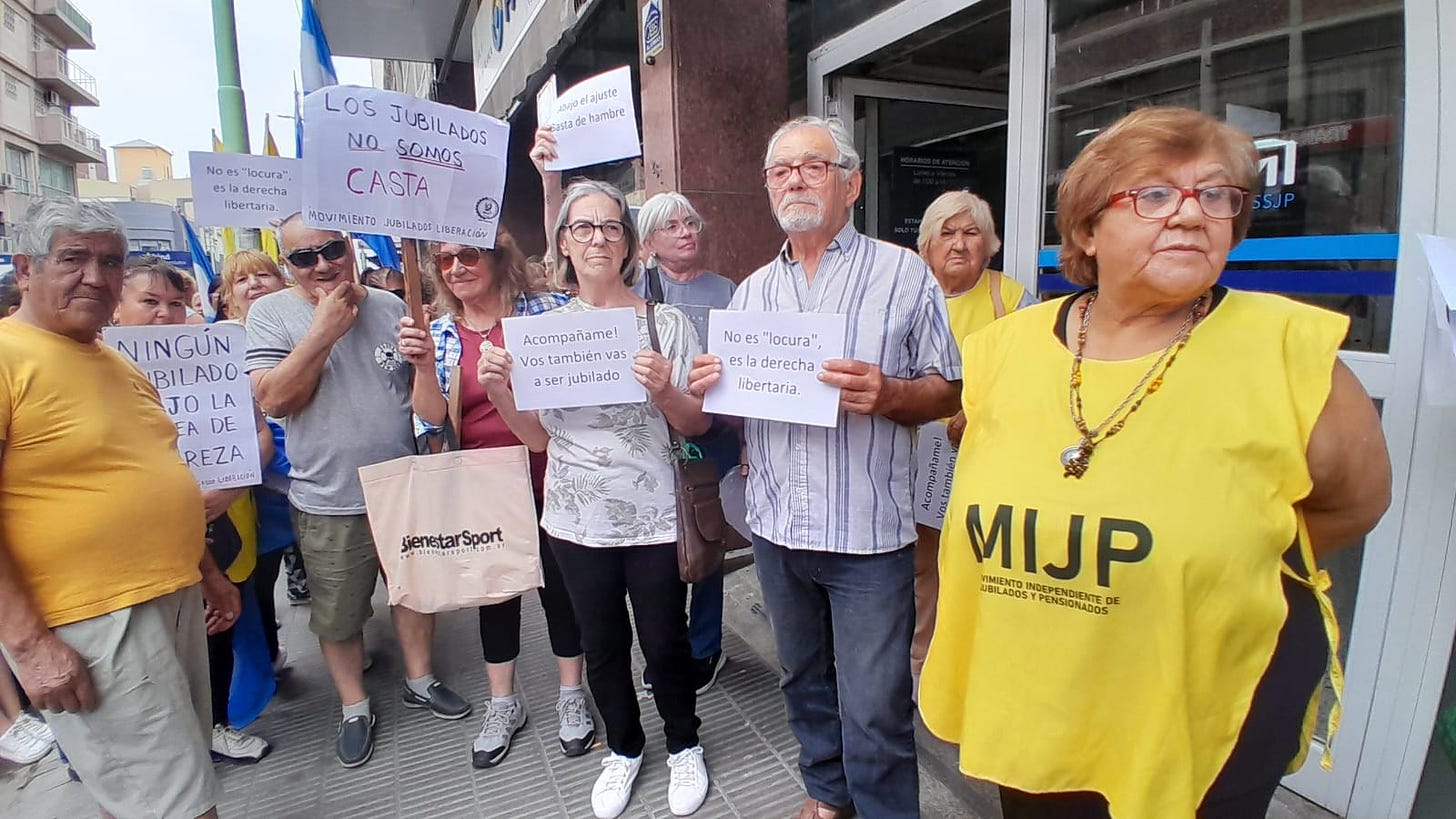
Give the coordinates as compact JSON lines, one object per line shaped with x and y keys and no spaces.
{"x":771,"y":365}
{"x":934,"y":466}
{"x":242,"y":190}
{"x":565,"y":360}
{"x":198,"y":370}
{"x":385,"y":162}
{"x":595,"y":121}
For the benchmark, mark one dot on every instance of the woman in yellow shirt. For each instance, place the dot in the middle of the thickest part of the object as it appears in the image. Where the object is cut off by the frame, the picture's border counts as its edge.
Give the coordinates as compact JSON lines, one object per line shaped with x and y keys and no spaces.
{"x":957,"y":239}
{"x":1130,"y":610}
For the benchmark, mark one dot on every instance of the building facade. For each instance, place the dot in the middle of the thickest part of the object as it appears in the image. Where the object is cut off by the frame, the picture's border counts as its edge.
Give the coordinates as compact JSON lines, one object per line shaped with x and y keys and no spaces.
{"x":139,"y":162}
{"x":42,"y":141}
{"x":1350,"y":103}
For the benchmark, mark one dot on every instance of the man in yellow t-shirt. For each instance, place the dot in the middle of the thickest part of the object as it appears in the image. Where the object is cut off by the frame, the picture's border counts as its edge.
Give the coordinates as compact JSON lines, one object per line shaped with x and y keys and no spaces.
{"x":106,"y":591}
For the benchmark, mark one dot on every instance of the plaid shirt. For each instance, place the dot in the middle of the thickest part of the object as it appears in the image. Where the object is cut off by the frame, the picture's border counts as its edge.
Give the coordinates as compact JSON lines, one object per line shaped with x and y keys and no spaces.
{"x":448,"y":349}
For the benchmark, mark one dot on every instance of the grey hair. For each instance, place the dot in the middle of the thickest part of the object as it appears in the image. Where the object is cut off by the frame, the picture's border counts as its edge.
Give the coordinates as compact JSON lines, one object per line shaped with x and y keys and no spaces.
{"x":843,"y":141}
{"x":656,"y":212}
{"x":46,"y":217}
{"x":580,"y":189}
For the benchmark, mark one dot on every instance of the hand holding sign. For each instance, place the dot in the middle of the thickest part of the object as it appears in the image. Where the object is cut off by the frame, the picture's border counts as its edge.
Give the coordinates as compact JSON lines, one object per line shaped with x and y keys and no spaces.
{"x":862,"y":387}
{"x":595,"y":121}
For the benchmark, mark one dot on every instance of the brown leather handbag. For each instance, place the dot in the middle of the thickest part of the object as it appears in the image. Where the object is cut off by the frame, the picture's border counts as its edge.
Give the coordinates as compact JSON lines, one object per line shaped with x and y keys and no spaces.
{"x":703,"y":533}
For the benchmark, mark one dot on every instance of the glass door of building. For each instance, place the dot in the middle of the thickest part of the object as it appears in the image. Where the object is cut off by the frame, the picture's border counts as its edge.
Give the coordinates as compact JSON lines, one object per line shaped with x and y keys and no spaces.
{"x":917,"y":142}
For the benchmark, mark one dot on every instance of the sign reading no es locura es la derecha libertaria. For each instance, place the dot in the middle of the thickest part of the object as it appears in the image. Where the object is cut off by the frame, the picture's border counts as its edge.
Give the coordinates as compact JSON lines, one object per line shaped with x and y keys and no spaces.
{"x":383,"y":162}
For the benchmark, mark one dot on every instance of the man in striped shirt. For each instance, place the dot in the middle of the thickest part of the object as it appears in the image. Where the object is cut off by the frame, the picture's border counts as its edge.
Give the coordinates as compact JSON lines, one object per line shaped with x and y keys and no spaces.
{"x":831,"y":509}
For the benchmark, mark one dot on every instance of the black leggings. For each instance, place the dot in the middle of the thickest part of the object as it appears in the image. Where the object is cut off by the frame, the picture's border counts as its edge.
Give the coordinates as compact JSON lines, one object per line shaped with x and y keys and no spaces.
{"x":600,"y":579}
{"x":265,"y":578}
{"x":500,"y":623}
{"x":220,"y":670}
{"x":1268,"y":740}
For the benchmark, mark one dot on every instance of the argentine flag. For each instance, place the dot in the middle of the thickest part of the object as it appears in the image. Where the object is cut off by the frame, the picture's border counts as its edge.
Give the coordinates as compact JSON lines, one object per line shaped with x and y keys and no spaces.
{"x":314,"y":58}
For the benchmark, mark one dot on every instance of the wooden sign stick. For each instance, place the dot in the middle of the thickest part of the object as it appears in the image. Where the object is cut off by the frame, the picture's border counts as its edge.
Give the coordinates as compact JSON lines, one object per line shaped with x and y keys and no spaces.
{"x":413,"y":286}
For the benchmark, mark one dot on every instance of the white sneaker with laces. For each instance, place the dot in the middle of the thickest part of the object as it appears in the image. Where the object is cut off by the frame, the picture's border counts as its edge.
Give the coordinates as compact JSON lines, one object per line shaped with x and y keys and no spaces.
{"x":230,"y":743}
{"x":35,"y":727}
{"x":687,"y":784}
{"x":20,"y":746}
{"x":613,"y":789}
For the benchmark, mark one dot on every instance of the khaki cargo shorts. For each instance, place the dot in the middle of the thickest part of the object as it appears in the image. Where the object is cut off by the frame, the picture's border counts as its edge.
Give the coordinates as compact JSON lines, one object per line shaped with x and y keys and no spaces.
{"x":144,"y":751}
{"x":338,"y":553}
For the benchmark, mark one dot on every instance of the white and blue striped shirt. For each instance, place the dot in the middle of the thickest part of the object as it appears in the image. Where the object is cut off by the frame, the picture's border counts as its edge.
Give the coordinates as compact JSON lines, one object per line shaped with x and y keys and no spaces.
{"x":847,"y":489}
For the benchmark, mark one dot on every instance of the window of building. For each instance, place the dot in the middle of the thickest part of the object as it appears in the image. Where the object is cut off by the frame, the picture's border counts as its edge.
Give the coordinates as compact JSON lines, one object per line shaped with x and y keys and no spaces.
{"x":57,"y":178}
{"x":17,"y":165}
{"x":12,"y":86}
{"x":11,"y":21}
{"x":1321,"y":95}
{"x":148,"y":173}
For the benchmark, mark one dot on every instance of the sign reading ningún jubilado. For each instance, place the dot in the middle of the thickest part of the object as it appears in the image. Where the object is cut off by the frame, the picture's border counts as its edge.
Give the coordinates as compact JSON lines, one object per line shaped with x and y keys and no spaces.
{"x":384,"y":162}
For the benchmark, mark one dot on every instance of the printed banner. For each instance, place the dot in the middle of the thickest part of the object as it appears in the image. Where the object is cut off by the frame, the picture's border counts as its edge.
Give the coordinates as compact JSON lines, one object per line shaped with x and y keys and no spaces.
{"x":771,"y":365}
{"x":242,"y":190}
{"x":565,"y":360}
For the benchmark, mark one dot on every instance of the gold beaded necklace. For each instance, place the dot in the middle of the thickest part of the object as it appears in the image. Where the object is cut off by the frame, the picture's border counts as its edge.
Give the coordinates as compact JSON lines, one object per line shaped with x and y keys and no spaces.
{"x":1077,"y":457}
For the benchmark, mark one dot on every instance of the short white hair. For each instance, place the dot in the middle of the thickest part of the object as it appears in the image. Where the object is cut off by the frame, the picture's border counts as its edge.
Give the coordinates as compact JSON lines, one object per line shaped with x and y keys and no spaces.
{"x":848,"y":158}
{"x":948,"y":206}
{"x":660,"y":209}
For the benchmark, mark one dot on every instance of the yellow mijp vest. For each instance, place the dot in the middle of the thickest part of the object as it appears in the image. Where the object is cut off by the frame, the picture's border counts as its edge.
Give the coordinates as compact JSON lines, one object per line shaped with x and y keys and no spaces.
{"x":977,"y":307}
{"x":1106,"y":634}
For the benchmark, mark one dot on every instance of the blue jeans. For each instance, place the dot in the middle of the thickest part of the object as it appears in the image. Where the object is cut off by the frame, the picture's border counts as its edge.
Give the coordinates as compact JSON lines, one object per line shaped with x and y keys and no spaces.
{"x":850,"y":709}
{"x":705,"y":612}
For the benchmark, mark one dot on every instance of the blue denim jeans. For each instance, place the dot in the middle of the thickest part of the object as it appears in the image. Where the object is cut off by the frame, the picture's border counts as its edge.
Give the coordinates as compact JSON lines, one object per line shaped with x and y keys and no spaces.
{"x":842,"y":624}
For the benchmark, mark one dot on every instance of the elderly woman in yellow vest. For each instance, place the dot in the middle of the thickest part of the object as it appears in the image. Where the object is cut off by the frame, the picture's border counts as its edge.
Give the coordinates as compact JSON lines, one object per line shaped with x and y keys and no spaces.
{"x":1130,"y":610}
{"x":957,"y":239}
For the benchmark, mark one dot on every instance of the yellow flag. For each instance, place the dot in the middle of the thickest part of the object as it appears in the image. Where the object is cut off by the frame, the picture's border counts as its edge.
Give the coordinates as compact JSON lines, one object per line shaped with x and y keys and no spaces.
{"x":265,"y":236}
{"x":229,"y":236}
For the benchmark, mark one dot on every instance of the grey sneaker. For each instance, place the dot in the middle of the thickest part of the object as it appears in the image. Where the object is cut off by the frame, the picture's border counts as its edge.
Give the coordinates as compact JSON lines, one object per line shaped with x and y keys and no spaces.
{"x":503,"y":719}
{"x":442,"y":702}
{"x":578,"y":730}
{"x":356,"y":741}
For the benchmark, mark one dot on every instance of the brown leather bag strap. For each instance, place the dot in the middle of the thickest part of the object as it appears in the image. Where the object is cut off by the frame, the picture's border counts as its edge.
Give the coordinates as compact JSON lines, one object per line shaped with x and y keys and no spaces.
{"x":997,"y":306}
{"x":672,"y":434}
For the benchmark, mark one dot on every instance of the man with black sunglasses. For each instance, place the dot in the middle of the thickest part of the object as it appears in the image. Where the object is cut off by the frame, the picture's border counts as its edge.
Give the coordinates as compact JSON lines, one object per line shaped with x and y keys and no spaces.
{"x":323,"y":360}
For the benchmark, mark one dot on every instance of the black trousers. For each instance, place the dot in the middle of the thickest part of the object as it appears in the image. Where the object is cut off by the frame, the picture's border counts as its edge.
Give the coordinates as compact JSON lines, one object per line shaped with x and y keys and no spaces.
{"x":500,"y":624}
{"x":600,"y":580}
{"x":265,"y":578}
{"x":220,"y":670}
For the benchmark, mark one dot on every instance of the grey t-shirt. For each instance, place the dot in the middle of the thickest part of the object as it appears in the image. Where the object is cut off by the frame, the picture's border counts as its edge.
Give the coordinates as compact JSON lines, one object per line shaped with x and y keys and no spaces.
{"x":694,"y":297}
{"x":360,"y":414}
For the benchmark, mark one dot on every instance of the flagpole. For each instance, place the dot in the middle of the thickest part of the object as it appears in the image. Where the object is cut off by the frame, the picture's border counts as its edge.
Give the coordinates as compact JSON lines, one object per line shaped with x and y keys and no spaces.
{"x":230,"y":103}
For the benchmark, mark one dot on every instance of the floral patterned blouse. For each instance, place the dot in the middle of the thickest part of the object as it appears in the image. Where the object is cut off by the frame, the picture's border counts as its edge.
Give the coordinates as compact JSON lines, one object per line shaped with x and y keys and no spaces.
{"x":609,"y":478}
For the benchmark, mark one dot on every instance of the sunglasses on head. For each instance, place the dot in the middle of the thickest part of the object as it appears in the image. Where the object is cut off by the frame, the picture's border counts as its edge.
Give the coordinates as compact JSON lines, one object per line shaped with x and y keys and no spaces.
{"x":468,"y":256}
{"x":332,"y":251}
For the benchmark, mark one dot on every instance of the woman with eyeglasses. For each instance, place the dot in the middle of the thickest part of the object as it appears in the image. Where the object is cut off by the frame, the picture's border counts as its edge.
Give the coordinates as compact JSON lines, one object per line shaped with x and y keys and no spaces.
{"x":610,"y":504}
{"x":1132,"y":620}
{"x":671,"y":231}
{"x":476,"y":289}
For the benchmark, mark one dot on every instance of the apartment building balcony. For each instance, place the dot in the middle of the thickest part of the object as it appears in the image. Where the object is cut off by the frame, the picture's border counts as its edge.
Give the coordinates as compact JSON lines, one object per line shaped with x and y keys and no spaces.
{"x":65,"y":23}
{"x":59,"y":134}
{"x":56,"y":73}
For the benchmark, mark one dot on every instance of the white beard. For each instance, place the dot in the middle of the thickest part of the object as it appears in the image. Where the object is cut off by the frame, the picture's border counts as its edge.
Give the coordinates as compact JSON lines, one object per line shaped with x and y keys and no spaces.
{"x":799,"y":220}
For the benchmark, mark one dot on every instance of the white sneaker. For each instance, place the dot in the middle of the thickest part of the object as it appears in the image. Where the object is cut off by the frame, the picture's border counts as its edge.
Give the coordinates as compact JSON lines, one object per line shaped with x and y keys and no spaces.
{"x":687,"y":784}
{"x":35,"y":727}
{"x":230,"y":743}
{"x":613,"y":789}
{"x":280,"y":662}
{"x":22,"y":747}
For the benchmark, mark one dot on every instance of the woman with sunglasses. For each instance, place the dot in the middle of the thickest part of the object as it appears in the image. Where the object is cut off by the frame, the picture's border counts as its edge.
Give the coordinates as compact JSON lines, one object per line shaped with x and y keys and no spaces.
{"x":610,"y":505}
{"x":476,"y":289}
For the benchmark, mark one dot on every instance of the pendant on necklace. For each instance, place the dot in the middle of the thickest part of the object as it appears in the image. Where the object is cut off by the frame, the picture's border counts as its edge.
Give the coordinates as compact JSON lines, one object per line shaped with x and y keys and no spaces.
{"x":1075,"y":459}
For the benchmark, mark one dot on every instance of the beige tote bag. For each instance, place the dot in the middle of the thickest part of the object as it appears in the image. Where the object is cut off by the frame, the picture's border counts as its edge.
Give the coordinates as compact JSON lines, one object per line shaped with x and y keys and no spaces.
{"x":455,"y":529}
